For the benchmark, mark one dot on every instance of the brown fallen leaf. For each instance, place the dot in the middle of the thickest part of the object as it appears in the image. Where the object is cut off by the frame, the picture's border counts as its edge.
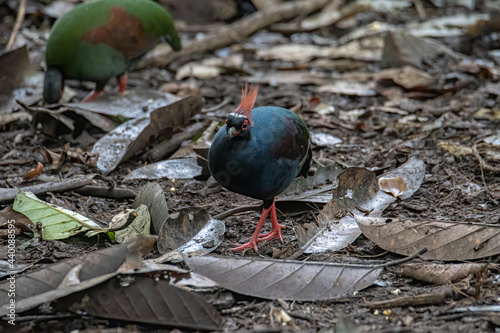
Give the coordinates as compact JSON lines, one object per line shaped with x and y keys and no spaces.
{"x":445,"y":240}
{"x":21,"y":221}
{"x":285,"y":279}
{"x":145,"y":299}
{"x":34,"y":172}
{"x":355,"y":186}
{"x":395,"y":186}
{"x":439,"y":273}
{"x":43,"y":285}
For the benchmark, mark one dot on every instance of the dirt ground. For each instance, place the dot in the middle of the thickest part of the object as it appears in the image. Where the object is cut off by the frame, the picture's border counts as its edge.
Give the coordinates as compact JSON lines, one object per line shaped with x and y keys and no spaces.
{"x":455,"y":188}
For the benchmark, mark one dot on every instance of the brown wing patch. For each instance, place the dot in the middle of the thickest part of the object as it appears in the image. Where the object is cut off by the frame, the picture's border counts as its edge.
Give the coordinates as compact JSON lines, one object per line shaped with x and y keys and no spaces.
{"x":294,"y":144}
{"x":123,"y":32}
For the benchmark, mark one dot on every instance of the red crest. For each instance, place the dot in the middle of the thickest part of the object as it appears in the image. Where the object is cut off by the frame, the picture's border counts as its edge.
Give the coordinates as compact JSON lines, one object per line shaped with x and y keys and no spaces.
{"x":248,"y":97}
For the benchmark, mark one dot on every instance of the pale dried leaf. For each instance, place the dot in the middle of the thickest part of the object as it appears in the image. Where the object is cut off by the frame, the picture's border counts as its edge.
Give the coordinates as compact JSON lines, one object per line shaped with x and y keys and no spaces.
{"x":444,"y":240}
{"x":395,"y":186}
{"x":439,"y":273}
{"x":288,"y":280}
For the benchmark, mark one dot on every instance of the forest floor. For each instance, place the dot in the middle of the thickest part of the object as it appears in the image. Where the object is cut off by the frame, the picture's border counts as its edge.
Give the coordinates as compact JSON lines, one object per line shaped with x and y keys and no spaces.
{"x":381,"y":121}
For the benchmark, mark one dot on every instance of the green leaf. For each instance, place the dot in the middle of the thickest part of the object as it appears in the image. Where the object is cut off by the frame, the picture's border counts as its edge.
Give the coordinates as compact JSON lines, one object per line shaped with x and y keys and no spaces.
{"x":56,"y":222}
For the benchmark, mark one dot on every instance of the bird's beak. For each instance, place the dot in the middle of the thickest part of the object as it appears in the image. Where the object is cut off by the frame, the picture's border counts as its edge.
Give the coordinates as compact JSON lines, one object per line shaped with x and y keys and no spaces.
{"x":231,"y":132}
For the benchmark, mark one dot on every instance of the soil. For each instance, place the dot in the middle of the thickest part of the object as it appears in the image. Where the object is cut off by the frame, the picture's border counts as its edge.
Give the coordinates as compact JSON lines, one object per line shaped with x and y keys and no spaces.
{"x":455,"y":188}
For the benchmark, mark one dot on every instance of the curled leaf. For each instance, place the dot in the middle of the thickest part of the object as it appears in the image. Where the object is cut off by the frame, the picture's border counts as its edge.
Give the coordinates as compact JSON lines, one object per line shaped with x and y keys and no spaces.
{"x":395,"y":186}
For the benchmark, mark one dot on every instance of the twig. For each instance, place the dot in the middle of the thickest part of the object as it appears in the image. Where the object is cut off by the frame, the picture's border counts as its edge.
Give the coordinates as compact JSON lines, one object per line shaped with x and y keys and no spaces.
{"x":236,"y":210}
{"x":403,"y":260}
{"x":306,"y":245}
{"x":226,"y":101}
{"x":482,"y":162}
{"x":234,"y":32}
{"x":17,"y":26}
{"x":419,"y":300}
{"x":106,"y":192}
{"x":66,"y":185}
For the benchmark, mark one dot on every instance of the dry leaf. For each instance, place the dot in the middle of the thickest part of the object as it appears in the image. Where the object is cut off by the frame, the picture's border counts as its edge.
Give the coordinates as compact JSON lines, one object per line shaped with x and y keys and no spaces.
{"x":444,"y":240}
{"x":439,"y":273}
{"x":395,"y":186}
{"x":43,"y":285}
{"x":144,"y":299}
{"x":288,"y":280}
{"x":34,"y":172}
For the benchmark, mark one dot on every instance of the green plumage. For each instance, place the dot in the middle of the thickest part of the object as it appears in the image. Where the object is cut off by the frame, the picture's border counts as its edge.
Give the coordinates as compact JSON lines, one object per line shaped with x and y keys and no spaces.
{"x":123,"y":31}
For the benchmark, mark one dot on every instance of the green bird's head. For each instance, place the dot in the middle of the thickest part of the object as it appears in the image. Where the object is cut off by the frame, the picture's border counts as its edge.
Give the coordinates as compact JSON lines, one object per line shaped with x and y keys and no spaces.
{"x":53,"y":85}
{"x":174,"y":40}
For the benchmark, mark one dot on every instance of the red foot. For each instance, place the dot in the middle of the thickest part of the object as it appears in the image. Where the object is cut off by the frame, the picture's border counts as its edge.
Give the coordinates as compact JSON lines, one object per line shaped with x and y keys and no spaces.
{"x":275,"y":227}
{"x":249,"y":245}
{"x":122,"y":83}
{"x":274,"y":233}
{"x":93,"y":94}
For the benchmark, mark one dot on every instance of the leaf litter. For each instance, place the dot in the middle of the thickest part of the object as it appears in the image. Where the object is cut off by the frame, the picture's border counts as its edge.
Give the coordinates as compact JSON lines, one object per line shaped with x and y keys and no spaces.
{"x":435,"y":91}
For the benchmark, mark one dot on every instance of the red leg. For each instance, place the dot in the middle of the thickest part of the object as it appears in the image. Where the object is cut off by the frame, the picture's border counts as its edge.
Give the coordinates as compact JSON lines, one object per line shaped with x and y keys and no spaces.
{"x":252,"y":244}
{"x":122,"y":83}
{"x":93,"y":94}
{"x":275,"y":227}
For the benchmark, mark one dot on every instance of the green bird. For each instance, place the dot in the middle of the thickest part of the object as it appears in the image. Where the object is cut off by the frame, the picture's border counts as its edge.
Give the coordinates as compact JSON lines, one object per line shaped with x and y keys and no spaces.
{"x":102,"y":39}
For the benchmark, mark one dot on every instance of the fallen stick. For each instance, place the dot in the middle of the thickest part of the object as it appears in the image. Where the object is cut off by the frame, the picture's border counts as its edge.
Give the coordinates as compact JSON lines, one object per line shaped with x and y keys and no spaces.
{"x":419,"y":300}
{"x":233,"y":33}
{"x":106,"y":192}
{"x":21,"y":11}
{"x":9,"y":194}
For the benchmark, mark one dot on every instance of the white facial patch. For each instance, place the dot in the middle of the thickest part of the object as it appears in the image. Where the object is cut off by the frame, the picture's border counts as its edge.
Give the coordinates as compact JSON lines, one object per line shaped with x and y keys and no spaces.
{"x":237,"y":115}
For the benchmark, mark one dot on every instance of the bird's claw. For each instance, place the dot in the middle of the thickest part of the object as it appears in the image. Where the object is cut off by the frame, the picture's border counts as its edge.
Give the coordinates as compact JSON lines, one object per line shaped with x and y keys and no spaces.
{"x":274,"y":233}
{"x":249,"y":245}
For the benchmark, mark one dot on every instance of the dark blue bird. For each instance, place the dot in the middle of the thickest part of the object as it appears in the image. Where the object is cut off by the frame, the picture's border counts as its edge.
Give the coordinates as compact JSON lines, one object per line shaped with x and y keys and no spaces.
{"x":258,"y":153}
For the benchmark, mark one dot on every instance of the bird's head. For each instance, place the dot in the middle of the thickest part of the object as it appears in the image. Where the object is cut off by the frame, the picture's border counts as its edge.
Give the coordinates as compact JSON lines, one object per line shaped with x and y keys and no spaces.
{"x":239,"y":122}
{"x":53,"y":85}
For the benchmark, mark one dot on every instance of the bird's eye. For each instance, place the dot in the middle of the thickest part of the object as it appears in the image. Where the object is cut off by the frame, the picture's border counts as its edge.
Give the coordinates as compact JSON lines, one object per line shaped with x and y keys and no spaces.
{"x":244,"y":126}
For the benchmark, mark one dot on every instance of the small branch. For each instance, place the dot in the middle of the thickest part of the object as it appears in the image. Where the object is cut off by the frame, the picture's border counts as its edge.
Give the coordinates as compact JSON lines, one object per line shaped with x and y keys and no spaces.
{"x":306,"y":245}
{"x":419,"y":300}
{"x":9,"y":194}
{"x":106,"y":192}
{"x":236,"y":210}
{"x":401,"y":261}
{"x":17,"y":26}
{"x":235,"y":32}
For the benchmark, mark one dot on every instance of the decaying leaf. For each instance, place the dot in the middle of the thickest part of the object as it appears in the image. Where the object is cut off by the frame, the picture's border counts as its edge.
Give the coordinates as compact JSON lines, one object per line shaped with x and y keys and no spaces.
{"x":144,"y":299}
{"x":492,"y":114}
{"x":191,"y":231}
{"x":7,"y":268}
{"x":350,"y":88}
{"x":338,"y":235}
{"x":288,"y":280}
{"x":21,"y":221}
{"x":141,"y":225}
{"x":44,"y":284}
{"x":34,"y":172}
{"x":182,"y":168}
{"x":439,"y":273}
{"x":395,"y":186}
{"x":153,"y":197}
{"x":134,"y":135}
{"x":455,"y":148}
{"x":444,"y":240}
{"x":56,"y":222}
{"x":212,"y":67}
